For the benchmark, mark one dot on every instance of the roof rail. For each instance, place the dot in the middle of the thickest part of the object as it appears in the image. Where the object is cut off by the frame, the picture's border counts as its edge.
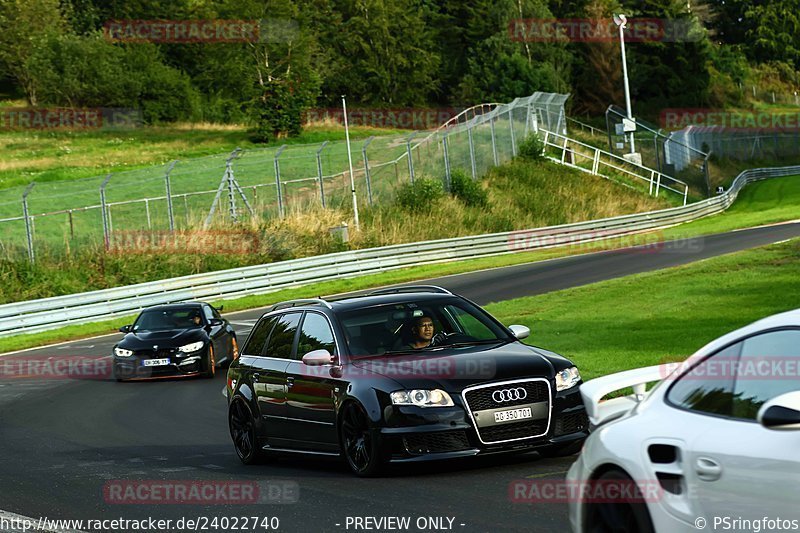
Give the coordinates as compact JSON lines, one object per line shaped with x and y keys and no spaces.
{"x":299,"y":301}
{"x":411,"y":288}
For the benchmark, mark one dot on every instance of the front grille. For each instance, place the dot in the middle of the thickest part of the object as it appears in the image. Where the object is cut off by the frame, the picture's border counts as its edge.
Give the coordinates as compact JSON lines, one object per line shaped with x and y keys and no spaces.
{"x":440,"y":441}
{"x":481,"y":399}
{"x":519,"y":430}
{"x":150,"y":354}
{"x":571,"y":423}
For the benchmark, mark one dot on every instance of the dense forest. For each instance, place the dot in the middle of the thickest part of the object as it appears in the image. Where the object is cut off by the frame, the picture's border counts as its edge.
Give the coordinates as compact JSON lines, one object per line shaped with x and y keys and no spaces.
{"x":386,"y":53}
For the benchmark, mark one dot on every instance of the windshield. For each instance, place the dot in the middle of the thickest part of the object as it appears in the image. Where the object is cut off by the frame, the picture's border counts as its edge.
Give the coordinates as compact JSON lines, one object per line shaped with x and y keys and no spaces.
{"x":173,"y":318}
{"x":418,"y":327}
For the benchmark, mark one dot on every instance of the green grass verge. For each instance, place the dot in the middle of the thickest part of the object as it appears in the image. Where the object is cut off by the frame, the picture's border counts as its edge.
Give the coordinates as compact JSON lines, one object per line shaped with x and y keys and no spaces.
{"x":761,"y":203}
{"x":658,"y":317}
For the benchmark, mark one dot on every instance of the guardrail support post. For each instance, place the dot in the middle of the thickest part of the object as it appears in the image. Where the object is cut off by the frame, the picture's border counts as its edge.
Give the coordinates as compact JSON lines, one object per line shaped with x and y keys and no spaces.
{"x":170,"y":211}
{"x":410,"y":157}
{"x":104,"y":212}
{"x":472,"y":154}
{"x":596,"y":162}
{"x":71,"y":225}
{"x":652,"y":176}
{"x":685,"y":194}
{"x":319,"y":174}
{"x":278,"y":190}
{"x":28,"y":229}
{"x":147,"y":211}
{"x":366,"y":169}
{"x":658,"y":185}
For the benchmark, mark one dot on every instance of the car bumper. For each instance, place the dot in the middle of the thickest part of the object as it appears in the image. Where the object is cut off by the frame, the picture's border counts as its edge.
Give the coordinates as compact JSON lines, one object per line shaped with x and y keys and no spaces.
{"x":420,"y":434}
{"x":134,"y":367}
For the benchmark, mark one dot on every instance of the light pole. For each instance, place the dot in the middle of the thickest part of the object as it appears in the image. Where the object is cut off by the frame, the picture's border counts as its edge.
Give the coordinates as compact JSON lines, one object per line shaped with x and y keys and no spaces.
{"x":350,"y":162}
{"x":621,"y":21}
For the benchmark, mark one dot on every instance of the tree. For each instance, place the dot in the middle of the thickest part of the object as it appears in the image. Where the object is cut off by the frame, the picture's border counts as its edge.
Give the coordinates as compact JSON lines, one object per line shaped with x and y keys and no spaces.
{"x":598,"y":74}
{"x":502,"y":68}
{"x":24,"y":26}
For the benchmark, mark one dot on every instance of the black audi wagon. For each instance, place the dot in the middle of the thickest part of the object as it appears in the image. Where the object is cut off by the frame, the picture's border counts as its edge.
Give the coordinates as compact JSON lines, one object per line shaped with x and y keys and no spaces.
{"x":348,"y":378}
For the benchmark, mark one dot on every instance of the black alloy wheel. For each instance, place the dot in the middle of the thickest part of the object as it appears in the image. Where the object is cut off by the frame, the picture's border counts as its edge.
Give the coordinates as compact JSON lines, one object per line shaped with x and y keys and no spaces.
{"x":243,"y":432}
{"x":361,"y":448}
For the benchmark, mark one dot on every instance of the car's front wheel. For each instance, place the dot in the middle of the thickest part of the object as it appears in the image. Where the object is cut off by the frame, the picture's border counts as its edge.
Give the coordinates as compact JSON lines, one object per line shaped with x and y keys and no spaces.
{"x":623,"y":514}
{"x":360,"y":446}
{"x":210,"y":364}
{"x":243,"y":432}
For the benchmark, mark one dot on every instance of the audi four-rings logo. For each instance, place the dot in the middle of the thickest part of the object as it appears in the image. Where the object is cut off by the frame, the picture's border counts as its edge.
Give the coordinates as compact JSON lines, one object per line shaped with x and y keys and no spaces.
{"x":509,"y":395}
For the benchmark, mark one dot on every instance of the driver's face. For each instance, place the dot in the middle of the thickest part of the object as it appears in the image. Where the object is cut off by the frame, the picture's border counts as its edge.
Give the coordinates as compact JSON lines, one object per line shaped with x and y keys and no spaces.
{"x":424,"y":329}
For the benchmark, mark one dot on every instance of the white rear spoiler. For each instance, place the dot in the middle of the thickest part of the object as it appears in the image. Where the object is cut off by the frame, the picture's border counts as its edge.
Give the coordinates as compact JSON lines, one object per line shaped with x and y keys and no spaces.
{"x":594,"y":390}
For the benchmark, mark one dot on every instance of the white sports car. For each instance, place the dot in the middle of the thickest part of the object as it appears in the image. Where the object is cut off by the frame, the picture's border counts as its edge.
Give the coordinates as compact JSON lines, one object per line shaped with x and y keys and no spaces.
{"x":715,"y":445}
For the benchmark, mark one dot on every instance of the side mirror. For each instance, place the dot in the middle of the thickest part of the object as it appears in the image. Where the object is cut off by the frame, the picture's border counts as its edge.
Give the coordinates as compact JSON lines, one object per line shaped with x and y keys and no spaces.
{"x":219,"y":308}
{"x":781,"y":413}
{"x":520,"y":332}
{"x":318,"y":358}
{"x":126,"y":329}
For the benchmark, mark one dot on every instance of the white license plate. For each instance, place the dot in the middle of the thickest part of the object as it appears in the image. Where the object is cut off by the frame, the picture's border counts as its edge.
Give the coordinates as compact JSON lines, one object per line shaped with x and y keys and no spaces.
{"x":513,"y":414}
{"x":161,"y":362}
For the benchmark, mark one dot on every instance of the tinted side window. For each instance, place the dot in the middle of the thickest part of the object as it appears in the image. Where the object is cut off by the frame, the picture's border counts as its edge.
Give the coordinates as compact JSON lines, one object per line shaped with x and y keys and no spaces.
{"x":768,"y":367}
{"x":315,"y":334}
{"x":258,"y":338}
{"x":708,"y":387}
{"x":282,"y":338}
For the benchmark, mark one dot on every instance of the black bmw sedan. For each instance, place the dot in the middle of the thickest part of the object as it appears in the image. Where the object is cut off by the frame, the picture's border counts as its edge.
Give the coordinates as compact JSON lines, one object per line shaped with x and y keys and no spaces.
{"x":183,"y":339}
{"x":401,"y":375}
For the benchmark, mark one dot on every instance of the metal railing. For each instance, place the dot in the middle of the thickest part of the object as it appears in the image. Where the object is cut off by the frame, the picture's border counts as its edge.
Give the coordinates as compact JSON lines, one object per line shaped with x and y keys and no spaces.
{"x":595,"y":160}
{"x":50,"y":313}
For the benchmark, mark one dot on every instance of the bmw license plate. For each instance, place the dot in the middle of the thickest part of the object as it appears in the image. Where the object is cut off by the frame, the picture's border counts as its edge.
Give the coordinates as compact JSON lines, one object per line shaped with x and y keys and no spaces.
{"x":513,"y":414}
{"x":161,"y":362}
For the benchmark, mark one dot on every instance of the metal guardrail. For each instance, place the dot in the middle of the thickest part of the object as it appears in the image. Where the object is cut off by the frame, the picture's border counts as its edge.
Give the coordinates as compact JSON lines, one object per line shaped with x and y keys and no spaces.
{"x":50,"y":313}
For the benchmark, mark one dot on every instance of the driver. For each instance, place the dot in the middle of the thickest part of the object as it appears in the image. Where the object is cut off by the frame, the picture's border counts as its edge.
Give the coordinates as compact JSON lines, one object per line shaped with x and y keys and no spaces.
{"x":422,"y":333}
{"x":196,"y":319}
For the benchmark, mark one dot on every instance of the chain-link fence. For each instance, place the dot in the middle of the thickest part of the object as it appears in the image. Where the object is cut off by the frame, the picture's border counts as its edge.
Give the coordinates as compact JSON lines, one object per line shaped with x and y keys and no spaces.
{"x":659,"y":150}
{"x":53,"y":217}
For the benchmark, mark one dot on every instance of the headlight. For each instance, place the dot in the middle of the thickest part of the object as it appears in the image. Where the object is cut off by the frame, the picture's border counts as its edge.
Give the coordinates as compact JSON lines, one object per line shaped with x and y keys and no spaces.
{"x":122,"y":352}
{"x":567,"y":378}
{"x":193,"y":347}
{"x":422,"y":398}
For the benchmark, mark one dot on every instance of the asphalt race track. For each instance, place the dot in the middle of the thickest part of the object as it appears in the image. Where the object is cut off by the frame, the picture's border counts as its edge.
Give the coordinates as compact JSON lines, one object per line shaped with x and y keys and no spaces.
{"x":65,"y":441}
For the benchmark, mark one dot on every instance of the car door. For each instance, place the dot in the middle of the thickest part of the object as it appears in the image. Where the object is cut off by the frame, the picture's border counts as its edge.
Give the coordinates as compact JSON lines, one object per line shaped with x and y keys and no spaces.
{"x":740,"y":468}
{"x":311,"y":389}
{"x":267,"y":375}
{"x":269,"y":378}
{"x":217,"y":334}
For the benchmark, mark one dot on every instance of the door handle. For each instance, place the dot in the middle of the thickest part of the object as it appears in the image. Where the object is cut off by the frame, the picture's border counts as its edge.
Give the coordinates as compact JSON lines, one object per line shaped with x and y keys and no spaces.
{"x":255,"y":377}
{"x":708,"y":469}
{"x":289,"y":381}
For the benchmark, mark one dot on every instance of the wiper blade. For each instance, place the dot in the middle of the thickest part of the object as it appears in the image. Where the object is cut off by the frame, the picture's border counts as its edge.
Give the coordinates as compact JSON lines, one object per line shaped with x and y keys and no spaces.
{"x":473,"y":343}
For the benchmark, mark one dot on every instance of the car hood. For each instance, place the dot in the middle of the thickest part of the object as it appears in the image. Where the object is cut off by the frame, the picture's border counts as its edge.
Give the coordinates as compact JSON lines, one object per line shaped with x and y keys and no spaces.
{"x":455,"y":369}
{"x":171,"y":338}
